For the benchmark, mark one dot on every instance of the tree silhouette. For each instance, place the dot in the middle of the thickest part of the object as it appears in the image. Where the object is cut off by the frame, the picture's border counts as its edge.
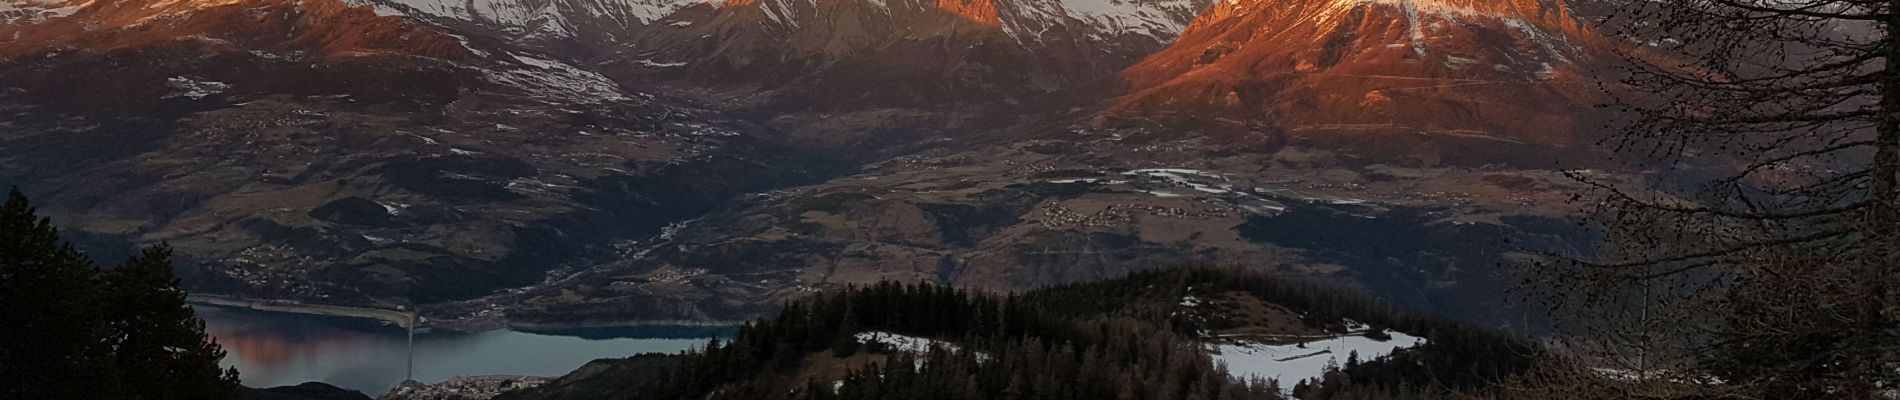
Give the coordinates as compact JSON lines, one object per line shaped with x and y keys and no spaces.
{"x":161,"y":344}
{"x":1763,"y":259}
{"x":46,"y":289}
{"x":82,"y":333}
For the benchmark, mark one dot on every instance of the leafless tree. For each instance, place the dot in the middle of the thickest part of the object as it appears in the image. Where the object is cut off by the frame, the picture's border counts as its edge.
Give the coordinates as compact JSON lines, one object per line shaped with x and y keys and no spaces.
{"x":1761,"y":258}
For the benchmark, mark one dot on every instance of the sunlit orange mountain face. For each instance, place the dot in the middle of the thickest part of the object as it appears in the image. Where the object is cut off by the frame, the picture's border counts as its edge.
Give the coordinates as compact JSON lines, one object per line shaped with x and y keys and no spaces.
{"x":1386,"y":73}
{"x":498,"y":162}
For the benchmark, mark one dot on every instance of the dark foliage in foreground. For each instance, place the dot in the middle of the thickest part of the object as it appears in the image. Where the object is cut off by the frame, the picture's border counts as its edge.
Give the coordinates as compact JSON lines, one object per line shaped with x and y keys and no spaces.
{"x":1009,"y":350}
{"x":305,"y":391}
{"x":1456,"y":359}
{"x":1118,"y":339}
{"x":79,"y":332}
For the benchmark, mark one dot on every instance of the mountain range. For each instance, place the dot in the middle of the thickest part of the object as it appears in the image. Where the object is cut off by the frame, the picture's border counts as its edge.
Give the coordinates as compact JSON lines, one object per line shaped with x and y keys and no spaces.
{"x":597,"y":162}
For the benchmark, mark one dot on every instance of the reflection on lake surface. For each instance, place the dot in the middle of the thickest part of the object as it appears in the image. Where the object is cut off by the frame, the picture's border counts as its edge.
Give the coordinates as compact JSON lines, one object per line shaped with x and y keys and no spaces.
{"x":275,"y":349}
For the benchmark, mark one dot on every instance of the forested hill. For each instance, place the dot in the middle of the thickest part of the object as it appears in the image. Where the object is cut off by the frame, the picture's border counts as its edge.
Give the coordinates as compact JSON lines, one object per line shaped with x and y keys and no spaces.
{"x":1151,"y":335}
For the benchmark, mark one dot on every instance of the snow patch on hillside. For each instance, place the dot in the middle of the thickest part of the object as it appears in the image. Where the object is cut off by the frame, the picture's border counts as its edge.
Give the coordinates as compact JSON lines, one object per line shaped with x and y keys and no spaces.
{"x":494,"y":11}
{"x":193,"y":89}
{"x":904,"y":343}
{"x":912,"y":344}
{"x":1102,"y":20}
{"x":555,"y":79}
{"x":180,"y":5}
{"x":1185,"y":177}
{"x":536,"y":18}
{"x":28,"y":11}
{"x":1537,"y":36}
{"x":1291,"y":363}
{"x":657,"y":64}
{"x":1099,"y":20}
{"x":1154,"y":19}
{"x":1429,"y":19}
{"x":1441,"y":8}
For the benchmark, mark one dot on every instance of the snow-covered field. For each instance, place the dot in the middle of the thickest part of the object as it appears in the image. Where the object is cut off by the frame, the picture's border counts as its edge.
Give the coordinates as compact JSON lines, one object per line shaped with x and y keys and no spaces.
{"x":903,"y":343}
{"x":1292,"y":363}
{"x":912,"y":344}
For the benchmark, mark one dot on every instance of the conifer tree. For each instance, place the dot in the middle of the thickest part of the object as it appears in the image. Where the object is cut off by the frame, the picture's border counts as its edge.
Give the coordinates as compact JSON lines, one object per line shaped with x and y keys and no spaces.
{"x":161,"y":346}
{"x":78,"y":333}
{"x":46,"y":292}
{"x":845,"y":343}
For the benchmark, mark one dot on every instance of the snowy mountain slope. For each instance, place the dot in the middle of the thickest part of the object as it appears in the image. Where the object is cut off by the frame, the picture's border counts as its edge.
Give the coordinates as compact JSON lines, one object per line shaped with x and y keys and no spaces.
{"x":539,"y":21}
{"x":835,"y":49}
{"x":1027,"y":23}
{"x":1024,"y":20}
{"x":28,"y":11}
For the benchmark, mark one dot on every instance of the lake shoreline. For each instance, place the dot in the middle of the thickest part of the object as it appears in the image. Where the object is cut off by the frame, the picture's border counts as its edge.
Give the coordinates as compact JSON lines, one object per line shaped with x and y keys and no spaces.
{"x":402,"y":318}
{"x":272,"y":346}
